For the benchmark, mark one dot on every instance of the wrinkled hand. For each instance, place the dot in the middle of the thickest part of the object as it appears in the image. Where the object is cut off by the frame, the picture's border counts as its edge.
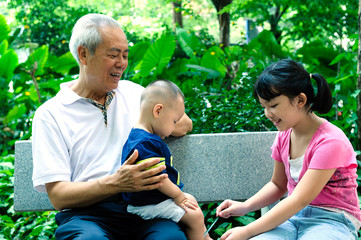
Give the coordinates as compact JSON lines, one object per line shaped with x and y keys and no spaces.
{"x":237,"y":233}
{"x":186,"y":202}
{"x":230,"y":208}
{"x":132,"y":177}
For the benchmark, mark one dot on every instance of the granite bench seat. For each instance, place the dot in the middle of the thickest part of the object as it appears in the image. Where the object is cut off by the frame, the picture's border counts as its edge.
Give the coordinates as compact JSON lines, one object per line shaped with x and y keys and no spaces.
{"x":213,"y":167}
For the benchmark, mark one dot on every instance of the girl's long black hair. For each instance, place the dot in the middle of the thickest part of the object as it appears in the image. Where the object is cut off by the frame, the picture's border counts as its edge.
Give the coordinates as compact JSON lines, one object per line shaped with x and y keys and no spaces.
{"x":289,"y":78}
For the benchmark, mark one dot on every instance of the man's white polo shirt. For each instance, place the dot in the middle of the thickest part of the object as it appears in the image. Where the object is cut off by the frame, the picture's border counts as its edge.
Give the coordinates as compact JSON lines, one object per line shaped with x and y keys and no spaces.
{"x":71,"y":141}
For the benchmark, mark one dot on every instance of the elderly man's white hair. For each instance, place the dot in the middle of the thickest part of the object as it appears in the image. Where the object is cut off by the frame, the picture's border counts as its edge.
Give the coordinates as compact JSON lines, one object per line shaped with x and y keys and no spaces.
{"x":86,"y":32}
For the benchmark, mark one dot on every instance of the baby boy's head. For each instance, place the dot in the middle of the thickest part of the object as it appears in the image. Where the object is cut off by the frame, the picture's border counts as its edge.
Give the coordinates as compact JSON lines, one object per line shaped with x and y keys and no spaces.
{"x":162,"y":106}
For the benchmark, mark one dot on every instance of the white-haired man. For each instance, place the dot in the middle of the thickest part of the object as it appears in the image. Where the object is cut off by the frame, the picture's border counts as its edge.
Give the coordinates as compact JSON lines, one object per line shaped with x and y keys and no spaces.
{"x":76,"y":139}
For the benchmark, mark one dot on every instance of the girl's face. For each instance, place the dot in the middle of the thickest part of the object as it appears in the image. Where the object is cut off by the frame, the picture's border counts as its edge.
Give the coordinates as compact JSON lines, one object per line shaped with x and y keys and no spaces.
{"x":282,"y":111}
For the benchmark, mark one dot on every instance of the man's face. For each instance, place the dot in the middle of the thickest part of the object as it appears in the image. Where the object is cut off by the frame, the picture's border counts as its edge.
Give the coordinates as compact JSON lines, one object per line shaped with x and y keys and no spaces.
{"x":104,"y":69}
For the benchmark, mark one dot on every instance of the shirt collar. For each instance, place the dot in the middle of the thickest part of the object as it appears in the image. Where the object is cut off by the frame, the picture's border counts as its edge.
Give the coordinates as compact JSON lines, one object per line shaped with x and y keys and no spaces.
{"x":66,"y":95}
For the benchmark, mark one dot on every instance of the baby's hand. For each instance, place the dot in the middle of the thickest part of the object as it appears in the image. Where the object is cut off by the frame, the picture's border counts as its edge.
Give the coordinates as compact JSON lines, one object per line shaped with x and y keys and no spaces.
{"x":185,"y":203}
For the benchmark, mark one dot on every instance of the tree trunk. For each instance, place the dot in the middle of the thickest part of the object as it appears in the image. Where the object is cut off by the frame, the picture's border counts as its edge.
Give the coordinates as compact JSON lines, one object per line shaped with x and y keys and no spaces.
{"x":274,"y":20}
{"x":177,"y":14}
{"x":359,"y":80}
{"x":224,"y":21}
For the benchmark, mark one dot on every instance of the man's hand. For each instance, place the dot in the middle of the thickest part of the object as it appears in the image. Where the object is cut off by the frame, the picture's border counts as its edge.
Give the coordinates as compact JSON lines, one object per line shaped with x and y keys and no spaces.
{"x":129,"y":178}
{"x":133,"y":177}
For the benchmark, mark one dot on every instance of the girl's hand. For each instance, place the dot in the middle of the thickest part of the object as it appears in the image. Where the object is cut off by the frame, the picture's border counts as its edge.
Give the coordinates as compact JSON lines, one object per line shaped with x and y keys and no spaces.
{"x":237,"y":233}
{"x":230,"y":208}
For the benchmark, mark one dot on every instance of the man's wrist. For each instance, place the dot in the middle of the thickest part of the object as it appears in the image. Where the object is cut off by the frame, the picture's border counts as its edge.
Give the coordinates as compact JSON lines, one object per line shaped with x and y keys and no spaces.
{"x":105,"y":187}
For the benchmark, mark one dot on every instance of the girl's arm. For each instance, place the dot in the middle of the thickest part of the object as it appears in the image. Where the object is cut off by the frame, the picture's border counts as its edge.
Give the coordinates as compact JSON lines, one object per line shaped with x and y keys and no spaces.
{"x":305,"y":192}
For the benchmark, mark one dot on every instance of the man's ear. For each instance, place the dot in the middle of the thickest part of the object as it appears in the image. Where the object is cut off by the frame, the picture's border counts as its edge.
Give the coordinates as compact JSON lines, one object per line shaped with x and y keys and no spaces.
{"x":301,"y":100}
{"x":83,"y":53}
{"x":157,"y":109}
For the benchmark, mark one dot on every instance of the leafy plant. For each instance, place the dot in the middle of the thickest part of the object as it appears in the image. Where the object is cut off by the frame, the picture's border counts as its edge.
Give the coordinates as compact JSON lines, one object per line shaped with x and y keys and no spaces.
{"x":46,"y":22}
{"x":217,"y":82}
{"x":222,"y":225}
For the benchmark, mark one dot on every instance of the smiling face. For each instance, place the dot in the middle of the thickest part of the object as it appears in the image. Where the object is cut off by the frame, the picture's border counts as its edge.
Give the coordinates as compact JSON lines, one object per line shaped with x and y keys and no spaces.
{"x":103,"y":69}
{"x":283,"y":111}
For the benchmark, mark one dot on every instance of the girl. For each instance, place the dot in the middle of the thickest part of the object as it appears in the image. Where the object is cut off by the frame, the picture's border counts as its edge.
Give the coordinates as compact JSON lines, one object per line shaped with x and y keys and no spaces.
{"x":314,"y":162}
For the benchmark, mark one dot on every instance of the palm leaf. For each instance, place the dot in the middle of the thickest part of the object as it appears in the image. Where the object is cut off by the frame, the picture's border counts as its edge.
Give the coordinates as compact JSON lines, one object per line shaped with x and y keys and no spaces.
{"x":211,"y":60}
{"x":38,"y":59}
{"x":8,"y":62}
{"x":157,"y":56}
{"x":4,"y":29}
{"x":188,"y":42}
{"x":3,"y":47}
{"x":210,"y":72}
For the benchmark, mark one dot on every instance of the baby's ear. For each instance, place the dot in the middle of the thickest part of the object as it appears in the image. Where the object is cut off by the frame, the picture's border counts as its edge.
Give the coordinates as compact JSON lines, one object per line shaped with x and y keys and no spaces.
{"x":157,"y":109}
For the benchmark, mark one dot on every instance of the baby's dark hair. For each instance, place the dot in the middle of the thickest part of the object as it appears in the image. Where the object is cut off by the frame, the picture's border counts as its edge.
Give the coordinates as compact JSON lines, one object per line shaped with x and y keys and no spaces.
{"x":161,"y":89}
{"x":290,"y":78}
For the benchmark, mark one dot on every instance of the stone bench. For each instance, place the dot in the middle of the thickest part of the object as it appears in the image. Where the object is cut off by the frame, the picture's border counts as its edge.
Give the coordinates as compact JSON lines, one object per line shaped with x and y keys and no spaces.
{"x":213,"y":167}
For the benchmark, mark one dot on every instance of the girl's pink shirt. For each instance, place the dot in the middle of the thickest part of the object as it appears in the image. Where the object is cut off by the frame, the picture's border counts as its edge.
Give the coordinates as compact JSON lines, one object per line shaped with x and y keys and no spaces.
{"x":329,"y":148}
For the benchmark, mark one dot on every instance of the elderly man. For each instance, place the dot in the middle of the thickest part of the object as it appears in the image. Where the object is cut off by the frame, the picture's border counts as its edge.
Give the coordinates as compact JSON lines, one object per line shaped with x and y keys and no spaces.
{"x":78,"y":137}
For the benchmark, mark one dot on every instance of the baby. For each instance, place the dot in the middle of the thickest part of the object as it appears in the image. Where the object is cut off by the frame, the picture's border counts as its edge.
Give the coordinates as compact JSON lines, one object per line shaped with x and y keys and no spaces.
{"x":161,"y":107}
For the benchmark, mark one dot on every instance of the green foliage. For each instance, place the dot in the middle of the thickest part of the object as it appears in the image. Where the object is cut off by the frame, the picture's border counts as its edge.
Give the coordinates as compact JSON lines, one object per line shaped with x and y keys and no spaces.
{"x":46,"y":22}
{"x":4,"y":29}
{"x":319,"y":57}
{"x":217,"y":82}
{"x":8,"y":62}
{"x":267,"y":42}
{"x":20,"y":225}
{"x":304,"y":21}
{"x":223,"y":225}
{"x":157,"y":57}
{"x":189,"y":43}
{"x":228,"y":111}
